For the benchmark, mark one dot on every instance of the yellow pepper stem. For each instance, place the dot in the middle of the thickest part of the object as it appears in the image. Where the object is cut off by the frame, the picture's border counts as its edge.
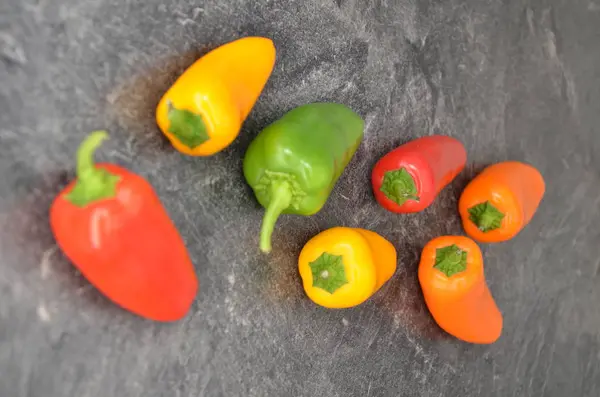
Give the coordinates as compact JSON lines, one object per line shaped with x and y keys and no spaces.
{"x":328,"y":272}
{"x":188,"y":127}
{"x":281,"y":198}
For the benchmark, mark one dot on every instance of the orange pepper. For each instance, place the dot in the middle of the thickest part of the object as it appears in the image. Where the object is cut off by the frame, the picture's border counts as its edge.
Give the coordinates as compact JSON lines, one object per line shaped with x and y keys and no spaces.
{"x":203,"y":111}
{"x":456,"y":293}
{"x":500,"y":201}
{"x":342,"y":267}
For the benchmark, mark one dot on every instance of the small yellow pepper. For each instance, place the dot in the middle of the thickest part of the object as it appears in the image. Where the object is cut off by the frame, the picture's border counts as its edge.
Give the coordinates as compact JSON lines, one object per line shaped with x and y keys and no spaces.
{"x":342,"y":267}
{"x":203,"y":111}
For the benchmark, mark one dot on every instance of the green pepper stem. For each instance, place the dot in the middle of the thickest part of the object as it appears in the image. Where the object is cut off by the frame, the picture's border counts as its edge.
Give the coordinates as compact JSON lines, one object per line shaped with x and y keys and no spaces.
{"x":92,"y":183}
{"x":281,"y":198}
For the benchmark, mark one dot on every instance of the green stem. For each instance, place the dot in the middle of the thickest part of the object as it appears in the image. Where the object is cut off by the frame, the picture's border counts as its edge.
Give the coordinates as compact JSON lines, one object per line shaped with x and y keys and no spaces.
{"x":401,"y":192}
{"x":399,"y":186}
{"x":328,"y":272}
{"x":486,"y":217}
{"x":188,"y":127}
{"x":450,"y":260}
{"x":92,"y":183}
{"x":281,"y":198}
{"x":85,"y":154}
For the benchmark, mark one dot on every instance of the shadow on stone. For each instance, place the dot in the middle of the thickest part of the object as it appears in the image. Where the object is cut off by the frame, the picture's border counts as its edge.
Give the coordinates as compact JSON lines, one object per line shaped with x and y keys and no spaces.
{"x":133,"y":103}
{"x":34,"y":243}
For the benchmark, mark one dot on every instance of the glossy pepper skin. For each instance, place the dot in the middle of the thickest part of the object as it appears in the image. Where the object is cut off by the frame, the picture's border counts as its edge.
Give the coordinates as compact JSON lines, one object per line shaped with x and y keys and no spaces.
{"x":294,"y":163}
{"x":342,"y":267}
{"x":111,"y":224}
{"x":409,"y":178}
{"x":499,"y":202}
{"x":202,"y":113}
{"x":456,"y":293}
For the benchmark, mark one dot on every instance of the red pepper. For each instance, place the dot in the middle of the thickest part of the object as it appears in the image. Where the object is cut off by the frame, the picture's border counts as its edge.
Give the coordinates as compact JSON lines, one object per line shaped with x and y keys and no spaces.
{"x":111,"y":224}
{"x":408,"y":178}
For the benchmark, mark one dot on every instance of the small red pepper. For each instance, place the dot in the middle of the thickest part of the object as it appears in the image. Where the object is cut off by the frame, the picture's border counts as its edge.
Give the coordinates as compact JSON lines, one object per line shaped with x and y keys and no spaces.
{"x":111,"y":224}
{"x":408,"y":178}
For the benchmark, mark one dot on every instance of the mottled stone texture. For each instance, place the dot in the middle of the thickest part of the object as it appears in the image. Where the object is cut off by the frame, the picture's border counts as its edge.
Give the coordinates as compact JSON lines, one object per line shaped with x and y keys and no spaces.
{"x":511,"y":79}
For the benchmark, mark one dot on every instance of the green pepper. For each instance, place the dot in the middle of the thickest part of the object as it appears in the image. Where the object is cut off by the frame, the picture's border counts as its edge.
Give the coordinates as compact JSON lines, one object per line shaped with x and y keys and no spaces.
{"x":294,"y":163}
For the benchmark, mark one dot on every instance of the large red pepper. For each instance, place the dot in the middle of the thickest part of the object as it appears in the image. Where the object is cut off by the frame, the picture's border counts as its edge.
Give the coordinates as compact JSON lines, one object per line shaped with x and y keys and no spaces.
{"x":111,"y":224}
{"x":408,"y":178}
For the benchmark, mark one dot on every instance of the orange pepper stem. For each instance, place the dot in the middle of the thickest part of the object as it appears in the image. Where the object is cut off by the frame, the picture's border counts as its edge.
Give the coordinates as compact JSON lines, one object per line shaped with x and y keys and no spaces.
{"x":281,"y":198}
{"x":486,"y":217}
{"x":328,"y":272}
{"x":92,"y":183}
{"x":399,"y":186}
{"x":450,"y":260}
{"x":188,"y":127}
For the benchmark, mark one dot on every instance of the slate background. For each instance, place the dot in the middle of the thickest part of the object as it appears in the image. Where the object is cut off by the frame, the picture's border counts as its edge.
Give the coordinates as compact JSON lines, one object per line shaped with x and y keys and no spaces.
{"x":511,"y":79}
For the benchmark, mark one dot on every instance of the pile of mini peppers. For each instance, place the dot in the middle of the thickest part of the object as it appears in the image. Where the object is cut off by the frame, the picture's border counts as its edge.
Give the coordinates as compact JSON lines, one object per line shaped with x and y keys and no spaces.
{"x":113,"y":227}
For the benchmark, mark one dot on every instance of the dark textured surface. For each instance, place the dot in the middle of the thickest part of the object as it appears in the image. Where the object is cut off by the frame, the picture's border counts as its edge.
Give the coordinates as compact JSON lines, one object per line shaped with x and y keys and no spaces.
{"x":512,"y":79}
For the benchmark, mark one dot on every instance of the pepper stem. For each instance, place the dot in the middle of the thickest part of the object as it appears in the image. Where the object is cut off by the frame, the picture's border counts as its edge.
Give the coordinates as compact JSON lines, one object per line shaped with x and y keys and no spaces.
{"x":450,"y":260}
{"x":92,"y":183}
{"x":281,"y":198}
{"x":188,"y":127}
{"x":486,"y":217}
{"x":328,"y":272}
{"x":399,"y":186}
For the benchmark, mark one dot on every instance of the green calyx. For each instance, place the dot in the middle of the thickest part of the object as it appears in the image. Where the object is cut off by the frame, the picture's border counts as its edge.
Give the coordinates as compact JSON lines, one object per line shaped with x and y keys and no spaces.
{"x":450,"y":260}
{"x":328,"y":272}
{"x":92,"y":183}
{"x":188,"y":127}
{"x":283,"y":191}
{"x":399,"y":186}
{"x":486,"y":217}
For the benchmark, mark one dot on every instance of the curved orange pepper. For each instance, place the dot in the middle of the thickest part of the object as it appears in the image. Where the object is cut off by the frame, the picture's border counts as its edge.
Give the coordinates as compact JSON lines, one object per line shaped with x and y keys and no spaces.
{"x":456,"y":293}
{"x":499,"y":202}
{"x":203,"y":111}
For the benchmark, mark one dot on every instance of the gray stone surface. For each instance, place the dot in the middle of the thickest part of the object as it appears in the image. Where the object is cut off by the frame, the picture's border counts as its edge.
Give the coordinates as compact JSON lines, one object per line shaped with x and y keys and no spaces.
{"x":511,"y":79}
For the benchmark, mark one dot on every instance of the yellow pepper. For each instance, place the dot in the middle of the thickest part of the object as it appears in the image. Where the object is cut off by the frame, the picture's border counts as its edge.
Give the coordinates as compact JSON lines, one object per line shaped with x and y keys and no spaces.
{"x":342,"y":267}
{"x":203,"y":111}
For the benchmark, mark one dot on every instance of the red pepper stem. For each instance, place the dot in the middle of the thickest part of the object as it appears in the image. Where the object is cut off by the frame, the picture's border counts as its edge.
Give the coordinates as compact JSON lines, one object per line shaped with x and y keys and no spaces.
{"x":281,"y":198}
{"x":92,"y":183}
{"x":401,"y":192}
{"x":399,"y":186}
{"x":86,"y":169}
